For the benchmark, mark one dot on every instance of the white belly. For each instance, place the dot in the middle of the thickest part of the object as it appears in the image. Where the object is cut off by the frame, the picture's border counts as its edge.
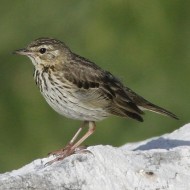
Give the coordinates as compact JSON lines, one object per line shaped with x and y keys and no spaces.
{"x":65,"y":104}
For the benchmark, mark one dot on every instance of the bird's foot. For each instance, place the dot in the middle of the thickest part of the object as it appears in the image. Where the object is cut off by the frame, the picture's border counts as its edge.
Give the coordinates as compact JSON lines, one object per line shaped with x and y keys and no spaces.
{"x":67,"y":148}
{"x":67,"y":151}
{"x":60,"y":151}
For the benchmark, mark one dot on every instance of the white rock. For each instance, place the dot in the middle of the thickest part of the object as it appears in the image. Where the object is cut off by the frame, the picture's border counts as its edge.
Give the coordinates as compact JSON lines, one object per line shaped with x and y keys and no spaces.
{"x":155,"y":164}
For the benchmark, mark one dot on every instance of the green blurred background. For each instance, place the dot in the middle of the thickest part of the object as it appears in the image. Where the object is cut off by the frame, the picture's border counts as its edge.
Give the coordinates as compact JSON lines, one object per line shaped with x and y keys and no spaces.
{"x":145,"y":43}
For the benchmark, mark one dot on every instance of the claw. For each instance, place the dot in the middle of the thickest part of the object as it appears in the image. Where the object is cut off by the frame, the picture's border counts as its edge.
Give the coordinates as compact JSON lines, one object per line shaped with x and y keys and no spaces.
{"x":74,"y":147}
{"x":67,"y":151}
{"x":60,"y":151}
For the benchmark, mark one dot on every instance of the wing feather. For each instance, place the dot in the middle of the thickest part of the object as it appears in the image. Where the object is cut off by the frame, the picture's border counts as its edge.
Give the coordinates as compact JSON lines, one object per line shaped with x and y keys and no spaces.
{"x":98,"y":88}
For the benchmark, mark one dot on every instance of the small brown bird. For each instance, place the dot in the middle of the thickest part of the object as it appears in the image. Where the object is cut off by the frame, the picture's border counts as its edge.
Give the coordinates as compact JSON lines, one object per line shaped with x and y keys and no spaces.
{"x":79,"y":89}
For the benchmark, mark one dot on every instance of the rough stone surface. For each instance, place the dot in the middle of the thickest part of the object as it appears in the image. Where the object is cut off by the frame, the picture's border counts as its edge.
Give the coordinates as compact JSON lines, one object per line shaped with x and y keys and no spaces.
{"x":155,"y":164}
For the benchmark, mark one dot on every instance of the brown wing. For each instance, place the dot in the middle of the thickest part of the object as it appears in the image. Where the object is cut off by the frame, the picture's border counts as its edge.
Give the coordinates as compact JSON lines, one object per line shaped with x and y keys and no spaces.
{"x":99,"y":88}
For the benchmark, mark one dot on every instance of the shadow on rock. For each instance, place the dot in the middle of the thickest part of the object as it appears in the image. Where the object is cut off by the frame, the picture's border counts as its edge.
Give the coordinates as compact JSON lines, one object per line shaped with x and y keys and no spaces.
{"x":162,"y":143}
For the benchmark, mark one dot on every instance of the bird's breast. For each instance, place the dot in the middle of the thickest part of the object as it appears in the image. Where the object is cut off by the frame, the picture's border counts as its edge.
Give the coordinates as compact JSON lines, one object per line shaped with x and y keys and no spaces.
{"x":62,"y":97}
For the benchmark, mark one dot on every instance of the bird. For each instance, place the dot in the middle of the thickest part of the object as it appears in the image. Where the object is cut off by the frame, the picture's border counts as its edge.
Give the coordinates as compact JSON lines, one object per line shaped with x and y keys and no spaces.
{"x":77,"y":88}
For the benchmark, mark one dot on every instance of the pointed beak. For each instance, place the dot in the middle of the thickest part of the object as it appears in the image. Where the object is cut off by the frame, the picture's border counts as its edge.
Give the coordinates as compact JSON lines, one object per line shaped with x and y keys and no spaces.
{"x":22,"y":52}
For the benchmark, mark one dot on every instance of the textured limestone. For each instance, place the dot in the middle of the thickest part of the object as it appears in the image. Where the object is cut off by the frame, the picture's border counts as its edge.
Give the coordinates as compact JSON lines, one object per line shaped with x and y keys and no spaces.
{"x":155,"y":164}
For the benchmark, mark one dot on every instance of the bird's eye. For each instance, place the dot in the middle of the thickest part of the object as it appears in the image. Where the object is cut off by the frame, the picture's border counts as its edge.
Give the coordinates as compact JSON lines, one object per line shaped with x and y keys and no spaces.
{"x":42,"y":50}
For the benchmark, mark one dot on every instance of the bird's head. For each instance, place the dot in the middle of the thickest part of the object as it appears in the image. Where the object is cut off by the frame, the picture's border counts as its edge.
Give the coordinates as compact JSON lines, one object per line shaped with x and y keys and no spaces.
{"x":46,"y":52}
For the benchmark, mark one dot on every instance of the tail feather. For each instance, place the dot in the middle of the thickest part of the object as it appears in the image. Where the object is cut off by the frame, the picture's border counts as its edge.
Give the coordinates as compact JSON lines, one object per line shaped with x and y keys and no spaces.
{"x":154,"y":108}
{"x":144,"y":104}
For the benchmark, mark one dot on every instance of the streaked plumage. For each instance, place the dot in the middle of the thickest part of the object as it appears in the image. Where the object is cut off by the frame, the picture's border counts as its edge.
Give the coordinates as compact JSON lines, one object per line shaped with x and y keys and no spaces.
{"x":79,"y":89}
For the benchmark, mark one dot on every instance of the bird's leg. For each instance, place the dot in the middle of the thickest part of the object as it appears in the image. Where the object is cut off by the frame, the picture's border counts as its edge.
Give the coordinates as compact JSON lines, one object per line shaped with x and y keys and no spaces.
{"x":91,"y":129}
{"x":77,"y":133}
{"x":71,"y":148}
{"x":71,"y":142}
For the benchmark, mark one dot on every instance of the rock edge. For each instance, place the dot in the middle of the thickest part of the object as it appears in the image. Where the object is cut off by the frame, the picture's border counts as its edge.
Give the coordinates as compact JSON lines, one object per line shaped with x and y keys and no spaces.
{"x":160,"y":163}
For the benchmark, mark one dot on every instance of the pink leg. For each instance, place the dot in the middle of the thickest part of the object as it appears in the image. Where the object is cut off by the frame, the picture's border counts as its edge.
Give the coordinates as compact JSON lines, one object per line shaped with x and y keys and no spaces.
{"x":71,"y":142}
{"x":90,"y":131}
{"x":78,"y":132}
{"x":71,"y":147}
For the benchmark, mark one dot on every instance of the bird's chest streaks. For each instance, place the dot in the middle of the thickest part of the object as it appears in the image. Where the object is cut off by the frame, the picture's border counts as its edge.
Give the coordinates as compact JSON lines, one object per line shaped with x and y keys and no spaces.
{"x":63,"y":100}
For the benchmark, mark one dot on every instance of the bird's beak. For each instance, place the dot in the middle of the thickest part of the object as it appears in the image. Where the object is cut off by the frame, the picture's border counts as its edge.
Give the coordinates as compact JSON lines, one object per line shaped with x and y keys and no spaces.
{"x":22,"y":52}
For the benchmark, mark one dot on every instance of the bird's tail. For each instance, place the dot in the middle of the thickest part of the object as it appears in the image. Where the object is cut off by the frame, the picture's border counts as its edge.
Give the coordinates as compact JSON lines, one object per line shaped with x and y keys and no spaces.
{"x":154,"y":108}
{"x":144,"y":104}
